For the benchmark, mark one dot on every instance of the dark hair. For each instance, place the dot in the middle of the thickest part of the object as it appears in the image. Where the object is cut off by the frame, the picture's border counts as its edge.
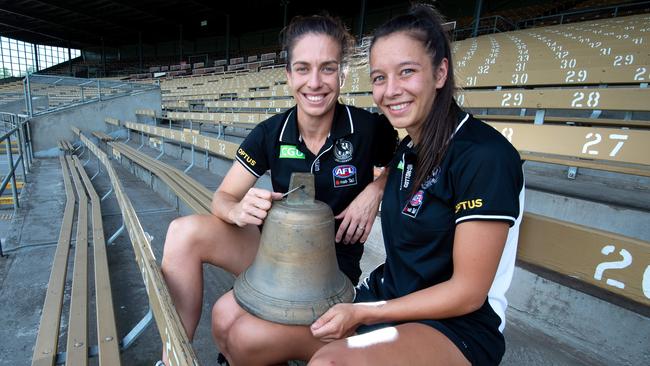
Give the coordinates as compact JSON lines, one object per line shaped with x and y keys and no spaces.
{"x":423,"y":23}
{"x":315,"y":24}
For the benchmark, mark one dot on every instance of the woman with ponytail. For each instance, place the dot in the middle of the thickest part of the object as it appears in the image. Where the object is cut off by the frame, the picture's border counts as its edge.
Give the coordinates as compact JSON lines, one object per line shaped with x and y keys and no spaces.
{"x":450,"y":218}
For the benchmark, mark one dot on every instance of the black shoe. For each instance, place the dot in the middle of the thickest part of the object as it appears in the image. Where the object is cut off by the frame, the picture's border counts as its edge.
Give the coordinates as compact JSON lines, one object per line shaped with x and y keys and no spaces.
{"x":221,"y":360}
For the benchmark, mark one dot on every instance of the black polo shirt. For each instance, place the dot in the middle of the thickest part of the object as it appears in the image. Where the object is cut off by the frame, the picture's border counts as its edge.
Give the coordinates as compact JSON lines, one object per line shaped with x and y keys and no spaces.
{"x":358,"y":140}
{"x":480,"y":178}
{"x":343,"y":167}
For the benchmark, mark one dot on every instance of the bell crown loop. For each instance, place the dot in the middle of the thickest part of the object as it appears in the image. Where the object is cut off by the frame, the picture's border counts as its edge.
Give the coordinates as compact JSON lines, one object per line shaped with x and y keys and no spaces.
{"x":304,"y":196}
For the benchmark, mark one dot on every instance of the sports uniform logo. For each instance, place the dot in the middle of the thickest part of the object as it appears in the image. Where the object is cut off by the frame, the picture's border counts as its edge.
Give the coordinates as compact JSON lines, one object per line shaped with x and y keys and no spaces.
{"x":431,"y":178}
{"x":406,"y":176}
{"x":343,"y":151}
{"x":290,"y":152}
{"x":247,"y":158}
{"x":344,"y":175}
{"x":469,"y":204}
{"x":413,"y":205}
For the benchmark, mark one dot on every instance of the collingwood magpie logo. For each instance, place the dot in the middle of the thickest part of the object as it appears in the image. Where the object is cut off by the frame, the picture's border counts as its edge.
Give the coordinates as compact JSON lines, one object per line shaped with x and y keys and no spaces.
{"x":431,"y":178}
{"x":343,"y":151}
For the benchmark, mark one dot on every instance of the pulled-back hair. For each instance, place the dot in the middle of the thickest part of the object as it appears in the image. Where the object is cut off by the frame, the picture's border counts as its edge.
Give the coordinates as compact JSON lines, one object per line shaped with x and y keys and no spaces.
{"x":423,"y":23}
{"x":315,"y":24}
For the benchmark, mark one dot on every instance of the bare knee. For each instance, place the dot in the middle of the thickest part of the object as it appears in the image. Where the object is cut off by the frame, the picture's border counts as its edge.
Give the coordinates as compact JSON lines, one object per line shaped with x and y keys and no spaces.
{"x":224,"y":314}
{"x":335,"y":353}
{"x":244,"y":344}
{"x":182,"y":243}
{"x":180,"y":233}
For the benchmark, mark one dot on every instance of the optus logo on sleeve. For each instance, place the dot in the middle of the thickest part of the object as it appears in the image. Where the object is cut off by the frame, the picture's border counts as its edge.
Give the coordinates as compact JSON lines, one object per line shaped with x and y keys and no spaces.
{"x":344,"y":175}
{"x":290,"y":152}
{"x":246,"y":157}
{"x":469,"y":204}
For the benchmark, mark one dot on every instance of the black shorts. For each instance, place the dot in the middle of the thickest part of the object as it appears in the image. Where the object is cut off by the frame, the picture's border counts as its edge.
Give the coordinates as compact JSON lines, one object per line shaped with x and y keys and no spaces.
{"x":349,"y":258}
{"x":480,"y":343}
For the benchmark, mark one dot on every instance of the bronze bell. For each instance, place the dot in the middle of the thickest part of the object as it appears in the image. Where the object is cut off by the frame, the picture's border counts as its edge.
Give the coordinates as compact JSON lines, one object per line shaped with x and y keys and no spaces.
{"x":295,"y":277}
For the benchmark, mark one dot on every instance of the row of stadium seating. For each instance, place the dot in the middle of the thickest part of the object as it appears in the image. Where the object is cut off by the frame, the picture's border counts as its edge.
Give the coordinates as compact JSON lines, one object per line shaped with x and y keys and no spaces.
{"x":77,"y":183}
{"x":543,"y":240}
{"x":591,"y":77}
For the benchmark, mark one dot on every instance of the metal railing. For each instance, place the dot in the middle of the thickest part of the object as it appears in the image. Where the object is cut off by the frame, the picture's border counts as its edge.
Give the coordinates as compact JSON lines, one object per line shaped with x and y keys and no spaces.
{"x":15,"y":127}
{"x":487,"y":25}
{"x":47,"y":93}
{"x":586,"y":14}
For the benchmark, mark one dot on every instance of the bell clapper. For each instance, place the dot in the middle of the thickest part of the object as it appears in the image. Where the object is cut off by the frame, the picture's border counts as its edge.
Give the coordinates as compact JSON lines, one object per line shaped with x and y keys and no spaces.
{"x":293,"y":190}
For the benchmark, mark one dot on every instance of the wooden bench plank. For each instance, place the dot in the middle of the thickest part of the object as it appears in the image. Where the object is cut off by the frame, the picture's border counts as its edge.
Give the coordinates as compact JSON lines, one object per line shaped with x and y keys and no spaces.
{"x":48,"y":333}
{"x":178,"y":188}
{"x":624,"y":146}
{"x":107,"y":336}
{"x":589,"y":164}
{"x":609,"y":261}
{"x":620,"y":99}
{"x":169,"y":324}
{"x":77,"y":341}
{"x":553,"y":144}
{"x":112,"y":121}
{"x":612,"y":122}
{"x":218,"y":147}
{"x":191,"y":186}
{"x":145,"y":112}
{"x":102,"y":136}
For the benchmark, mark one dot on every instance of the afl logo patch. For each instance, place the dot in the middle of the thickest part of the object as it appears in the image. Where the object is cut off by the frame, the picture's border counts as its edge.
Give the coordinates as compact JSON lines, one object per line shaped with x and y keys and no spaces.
{"x":416,"y":200}
{"x":413,"y":205}
{"x":344,"y":175}
{"x":343,"y":151}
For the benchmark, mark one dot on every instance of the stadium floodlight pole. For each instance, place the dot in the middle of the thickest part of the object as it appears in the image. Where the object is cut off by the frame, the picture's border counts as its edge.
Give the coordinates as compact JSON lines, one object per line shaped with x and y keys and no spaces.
{"x":285,"y":4}
{"x":103,"y":59}
{"x":180,"y":43}
{"x":70,"y":59}
{"x":227,"y":39}
{"x":362,"y":20}
{"x":36,"y":57}
{"x":477,"y":17}
{"x":140,"y":50}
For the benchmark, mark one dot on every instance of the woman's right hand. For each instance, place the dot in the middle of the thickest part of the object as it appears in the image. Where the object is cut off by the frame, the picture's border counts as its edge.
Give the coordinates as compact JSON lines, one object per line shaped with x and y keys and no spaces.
{"x":253,"y":208}
{"x":340,"y":321}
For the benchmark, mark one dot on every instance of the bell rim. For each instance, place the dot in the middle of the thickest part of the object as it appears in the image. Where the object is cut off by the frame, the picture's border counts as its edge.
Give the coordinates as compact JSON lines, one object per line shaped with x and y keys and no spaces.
{"x":303,"y":311}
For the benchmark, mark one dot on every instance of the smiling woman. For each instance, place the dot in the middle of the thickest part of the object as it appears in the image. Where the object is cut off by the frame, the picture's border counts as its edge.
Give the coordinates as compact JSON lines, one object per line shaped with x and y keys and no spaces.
{"x":338,"y":144}
{"x":313,"y":76}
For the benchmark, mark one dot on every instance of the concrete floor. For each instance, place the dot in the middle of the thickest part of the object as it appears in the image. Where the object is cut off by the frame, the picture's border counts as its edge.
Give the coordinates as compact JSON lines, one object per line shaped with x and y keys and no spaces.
{"x":30,"y":240}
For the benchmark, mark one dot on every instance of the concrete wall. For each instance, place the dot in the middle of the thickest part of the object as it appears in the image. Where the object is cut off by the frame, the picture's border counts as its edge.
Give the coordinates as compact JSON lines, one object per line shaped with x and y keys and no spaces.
{"x":49,"y":128}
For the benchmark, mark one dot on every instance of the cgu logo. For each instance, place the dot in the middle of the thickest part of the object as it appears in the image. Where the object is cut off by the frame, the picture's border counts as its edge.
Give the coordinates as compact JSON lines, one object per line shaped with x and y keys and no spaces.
{"x":344,"y":171}
{"x":290,"y":152}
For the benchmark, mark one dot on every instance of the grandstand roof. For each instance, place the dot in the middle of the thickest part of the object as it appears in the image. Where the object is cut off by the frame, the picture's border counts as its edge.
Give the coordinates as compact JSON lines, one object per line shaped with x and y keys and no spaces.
{"x":83,"y":23}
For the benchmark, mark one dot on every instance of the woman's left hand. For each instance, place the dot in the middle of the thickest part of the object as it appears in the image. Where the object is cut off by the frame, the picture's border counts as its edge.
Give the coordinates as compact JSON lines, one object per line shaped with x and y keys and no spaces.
{"x":359,"y":216}
{"x":338,"y":322}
